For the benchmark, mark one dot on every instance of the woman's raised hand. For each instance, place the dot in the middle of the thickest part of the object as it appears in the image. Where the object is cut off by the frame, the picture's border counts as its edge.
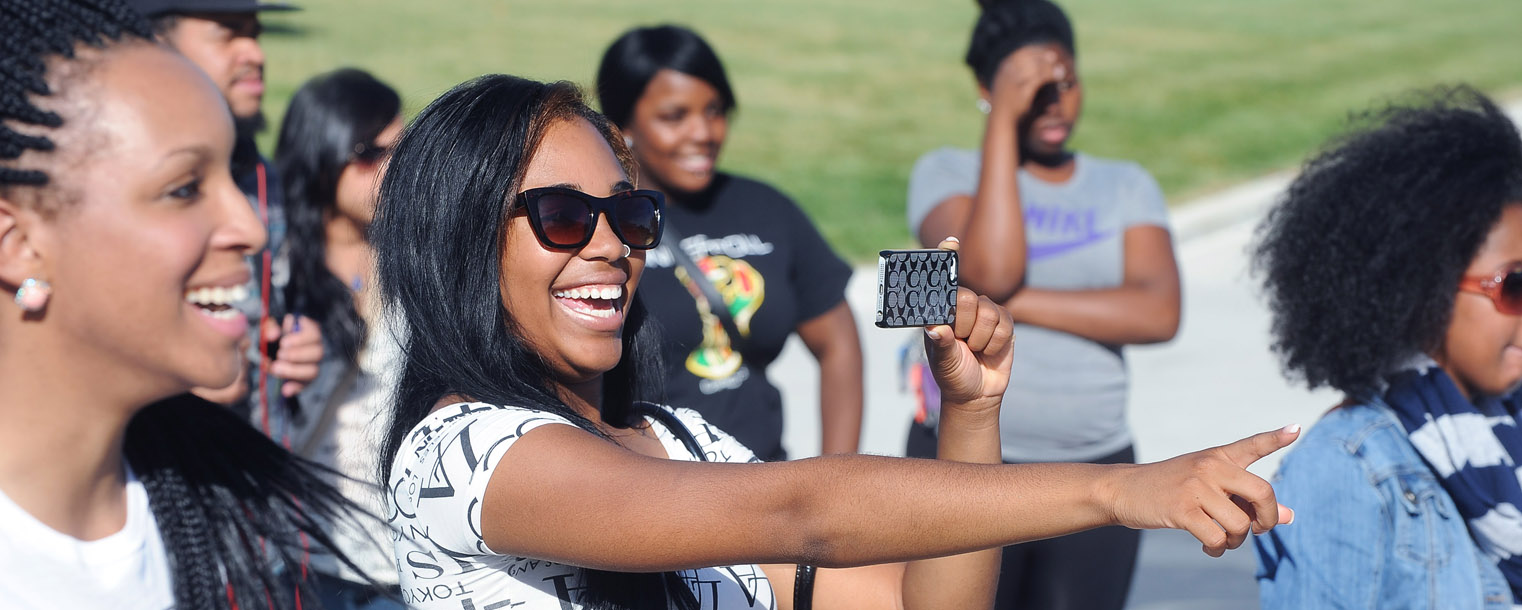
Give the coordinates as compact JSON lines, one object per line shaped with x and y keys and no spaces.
{"x":1020,"y":76}
{"x":1208,"y":493}
{"x":970,"y":359}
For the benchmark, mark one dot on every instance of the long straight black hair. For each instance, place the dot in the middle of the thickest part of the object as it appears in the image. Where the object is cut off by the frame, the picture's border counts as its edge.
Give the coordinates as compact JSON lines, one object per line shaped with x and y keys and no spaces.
{"x":236,"y":512}
{"x":329,"y":119}
{"x":438,"y":233}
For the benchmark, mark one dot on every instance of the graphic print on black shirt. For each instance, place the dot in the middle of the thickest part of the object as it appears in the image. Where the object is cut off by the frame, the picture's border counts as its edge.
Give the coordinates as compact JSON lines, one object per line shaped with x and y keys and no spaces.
{"x":774,"y":270}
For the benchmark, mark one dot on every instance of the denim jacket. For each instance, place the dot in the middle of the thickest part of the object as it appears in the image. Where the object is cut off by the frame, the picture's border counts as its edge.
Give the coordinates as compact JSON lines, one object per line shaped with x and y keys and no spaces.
{"x":1373,"y":526}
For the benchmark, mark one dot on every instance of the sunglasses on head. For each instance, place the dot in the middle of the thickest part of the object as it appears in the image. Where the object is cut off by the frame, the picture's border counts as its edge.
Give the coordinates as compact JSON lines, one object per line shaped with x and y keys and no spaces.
{"x":566,"y":218}
{"x":1504,"y":288}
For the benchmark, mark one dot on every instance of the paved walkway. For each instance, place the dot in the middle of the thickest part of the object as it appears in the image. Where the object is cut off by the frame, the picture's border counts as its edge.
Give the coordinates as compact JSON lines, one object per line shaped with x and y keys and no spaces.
{"x":1212,"y":384}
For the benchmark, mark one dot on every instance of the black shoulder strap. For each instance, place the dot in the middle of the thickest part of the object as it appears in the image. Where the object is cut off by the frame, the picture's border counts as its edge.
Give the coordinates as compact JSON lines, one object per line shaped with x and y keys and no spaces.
{"x":716,"y":304}
{"x":803,"y":576}
{"x":677,"y":428}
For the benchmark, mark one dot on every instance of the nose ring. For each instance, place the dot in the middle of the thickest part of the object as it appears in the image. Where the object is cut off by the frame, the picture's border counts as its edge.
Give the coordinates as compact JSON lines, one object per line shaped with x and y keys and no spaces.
{"x":627,"y":251}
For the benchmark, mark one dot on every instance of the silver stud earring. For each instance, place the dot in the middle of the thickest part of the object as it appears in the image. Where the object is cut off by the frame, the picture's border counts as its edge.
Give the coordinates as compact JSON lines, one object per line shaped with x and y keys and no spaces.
{"x":33,"y":294}
{"x":984,"y":107}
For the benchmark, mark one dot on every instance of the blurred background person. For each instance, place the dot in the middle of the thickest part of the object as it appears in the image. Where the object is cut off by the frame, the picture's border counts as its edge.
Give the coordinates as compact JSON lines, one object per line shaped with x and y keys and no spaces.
{"x":744,"y":243}
{"x":333,"y":146}
{"x":1077,"y":248}
{"x":221,"y":37}
{"x":1393,"y":267}
{"x":125,"y":242}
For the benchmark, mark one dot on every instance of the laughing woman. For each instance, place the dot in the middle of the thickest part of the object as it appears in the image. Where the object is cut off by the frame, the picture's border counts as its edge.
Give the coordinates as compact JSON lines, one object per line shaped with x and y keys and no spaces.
{"x":526,"y":471}
{"x":120,"y":231}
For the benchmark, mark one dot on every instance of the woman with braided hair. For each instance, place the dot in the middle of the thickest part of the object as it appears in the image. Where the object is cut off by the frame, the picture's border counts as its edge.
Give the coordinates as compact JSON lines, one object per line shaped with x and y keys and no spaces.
{"x":1077,"y":248}
{"x":123,"y":237}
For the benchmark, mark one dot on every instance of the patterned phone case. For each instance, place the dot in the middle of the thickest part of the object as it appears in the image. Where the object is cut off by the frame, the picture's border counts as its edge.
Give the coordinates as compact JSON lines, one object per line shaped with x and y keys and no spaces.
{"x":916,"y":288}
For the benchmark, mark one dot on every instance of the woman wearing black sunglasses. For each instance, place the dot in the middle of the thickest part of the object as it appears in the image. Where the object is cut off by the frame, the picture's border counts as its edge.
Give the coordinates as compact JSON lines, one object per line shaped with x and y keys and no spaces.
{"x":333,"y":145}
{"x":1394,"y":270}
{"x":526,"y":473}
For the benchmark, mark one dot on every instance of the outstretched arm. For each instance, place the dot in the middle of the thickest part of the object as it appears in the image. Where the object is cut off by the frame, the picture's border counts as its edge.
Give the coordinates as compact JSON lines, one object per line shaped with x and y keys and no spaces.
{"x":637,"y":513}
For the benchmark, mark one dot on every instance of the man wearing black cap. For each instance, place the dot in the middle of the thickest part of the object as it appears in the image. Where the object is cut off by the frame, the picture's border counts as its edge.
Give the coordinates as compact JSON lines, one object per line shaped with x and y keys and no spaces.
{"x":222,"y":38}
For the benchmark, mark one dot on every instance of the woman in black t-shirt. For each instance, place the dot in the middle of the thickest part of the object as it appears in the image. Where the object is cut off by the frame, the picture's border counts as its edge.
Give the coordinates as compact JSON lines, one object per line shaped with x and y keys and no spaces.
{"x":666,"y":90}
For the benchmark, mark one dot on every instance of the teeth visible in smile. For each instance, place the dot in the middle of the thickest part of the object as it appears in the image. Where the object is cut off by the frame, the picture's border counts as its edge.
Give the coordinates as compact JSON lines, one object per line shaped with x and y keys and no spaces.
{"x":589,"y":293}
{"x":216,"y":295}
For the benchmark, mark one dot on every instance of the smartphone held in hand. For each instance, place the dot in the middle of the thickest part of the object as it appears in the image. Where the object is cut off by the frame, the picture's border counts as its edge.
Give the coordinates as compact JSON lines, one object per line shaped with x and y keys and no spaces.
{"x":916,"y":288}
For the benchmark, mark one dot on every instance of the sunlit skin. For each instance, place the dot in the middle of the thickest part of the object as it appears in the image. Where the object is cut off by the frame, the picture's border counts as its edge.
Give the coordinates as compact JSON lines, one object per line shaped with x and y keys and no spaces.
{"x":1482,"y":349}
{"x":578,"y":338}
{"x":147,"y":212}
{"x":679,"y":126}
{"x":226,"y":47}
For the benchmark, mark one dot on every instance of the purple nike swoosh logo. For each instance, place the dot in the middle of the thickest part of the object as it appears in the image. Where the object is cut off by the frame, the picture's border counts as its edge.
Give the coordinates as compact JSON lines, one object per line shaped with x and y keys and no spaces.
{"x":1050,"y":250}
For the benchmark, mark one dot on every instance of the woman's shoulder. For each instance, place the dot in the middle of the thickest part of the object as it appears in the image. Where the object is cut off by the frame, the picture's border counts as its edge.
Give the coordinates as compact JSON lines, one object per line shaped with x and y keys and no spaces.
{"x":1360,"y":440}
{"x":454,"y":420}
{"x":946,"y":160}
{"x":1119,"y":170}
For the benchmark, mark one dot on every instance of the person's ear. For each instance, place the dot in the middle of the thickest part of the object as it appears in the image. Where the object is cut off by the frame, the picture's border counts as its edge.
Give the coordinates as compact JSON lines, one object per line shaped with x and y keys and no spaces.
{"x":20,"y":258}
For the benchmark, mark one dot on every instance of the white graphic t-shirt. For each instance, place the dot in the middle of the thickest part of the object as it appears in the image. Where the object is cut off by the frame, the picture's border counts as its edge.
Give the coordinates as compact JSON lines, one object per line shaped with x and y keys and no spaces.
{"x":436,"y":487}
{"x":43,"y":569}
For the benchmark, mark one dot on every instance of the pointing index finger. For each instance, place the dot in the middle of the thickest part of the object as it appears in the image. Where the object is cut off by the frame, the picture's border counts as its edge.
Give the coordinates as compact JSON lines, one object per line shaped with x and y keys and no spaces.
{"x":1251,"y":449}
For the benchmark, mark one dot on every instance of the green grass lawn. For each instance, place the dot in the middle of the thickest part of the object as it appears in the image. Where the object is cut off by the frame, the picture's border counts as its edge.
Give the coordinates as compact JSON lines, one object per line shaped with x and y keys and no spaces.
{"x":838,"y":98}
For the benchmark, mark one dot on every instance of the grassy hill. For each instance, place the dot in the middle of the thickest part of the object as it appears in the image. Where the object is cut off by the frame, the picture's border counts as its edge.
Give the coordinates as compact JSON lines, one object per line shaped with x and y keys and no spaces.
{"x":837,"y":99}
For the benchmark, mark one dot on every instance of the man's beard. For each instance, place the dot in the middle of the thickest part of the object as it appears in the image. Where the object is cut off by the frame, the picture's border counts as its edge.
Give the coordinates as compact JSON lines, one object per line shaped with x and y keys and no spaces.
{"x":246,"y":127}
{"x":245,"y":149}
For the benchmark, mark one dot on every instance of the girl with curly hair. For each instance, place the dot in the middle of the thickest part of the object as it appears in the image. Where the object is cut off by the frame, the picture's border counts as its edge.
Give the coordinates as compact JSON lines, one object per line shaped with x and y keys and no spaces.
{"x":1393,"y":268}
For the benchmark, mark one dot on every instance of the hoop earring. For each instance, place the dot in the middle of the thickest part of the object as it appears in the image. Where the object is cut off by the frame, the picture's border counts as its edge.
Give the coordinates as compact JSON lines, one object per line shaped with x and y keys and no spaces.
{"x":33,"y":294}
{"x":627,"y":251}
{"x":983,"y":106}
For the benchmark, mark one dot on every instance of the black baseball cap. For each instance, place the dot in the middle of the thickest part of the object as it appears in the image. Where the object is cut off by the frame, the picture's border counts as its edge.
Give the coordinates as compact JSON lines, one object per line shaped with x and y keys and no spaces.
{"x":154,"y":8}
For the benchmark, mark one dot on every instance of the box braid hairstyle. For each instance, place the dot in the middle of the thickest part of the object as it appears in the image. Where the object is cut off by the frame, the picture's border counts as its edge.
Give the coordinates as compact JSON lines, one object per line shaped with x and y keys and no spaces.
{"x":1007,"y":25}
{"x":235,"y":511}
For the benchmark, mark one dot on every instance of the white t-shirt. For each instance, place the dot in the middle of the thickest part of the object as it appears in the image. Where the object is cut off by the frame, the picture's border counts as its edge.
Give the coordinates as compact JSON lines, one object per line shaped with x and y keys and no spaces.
{"x":439,"y":479}
{"x":44,"y":569}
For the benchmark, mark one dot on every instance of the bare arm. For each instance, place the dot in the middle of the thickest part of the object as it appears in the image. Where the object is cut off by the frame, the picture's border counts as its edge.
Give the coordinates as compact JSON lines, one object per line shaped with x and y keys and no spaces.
{"x":574,"y":498}
{"x":637,"y":513}
{"x":832,"y":338}
{"x":990,"y":222}
{"x":1143,"y":309}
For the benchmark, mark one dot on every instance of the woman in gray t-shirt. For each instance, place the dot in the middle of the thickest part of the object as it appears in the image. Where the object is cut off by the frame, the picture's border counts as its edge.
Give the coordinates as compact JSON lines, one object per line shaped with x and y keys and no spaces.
{"x":1078,"y":249}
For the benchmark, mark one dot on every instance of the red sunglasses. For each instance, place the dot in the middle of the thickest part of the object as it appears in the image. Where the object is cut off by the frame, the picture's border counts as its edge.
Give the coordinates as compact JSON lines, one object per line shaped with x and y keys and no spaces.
{"x":1504,"y":288}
